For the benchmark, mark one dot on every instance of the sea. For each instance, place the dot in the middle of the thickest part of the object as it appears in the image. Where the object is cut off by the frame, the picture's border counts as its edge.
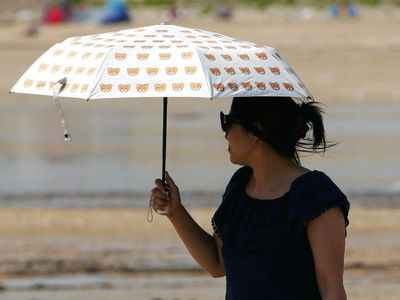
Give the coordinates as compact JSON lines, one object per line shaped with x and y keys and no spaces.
{"x":115,"y":152}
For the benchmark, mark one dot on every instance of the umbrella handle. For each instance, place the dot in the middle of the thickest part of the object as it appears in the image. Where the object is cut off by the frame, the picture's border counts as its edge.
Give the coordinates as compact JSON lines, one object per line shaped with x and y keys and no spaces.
{"x":164,"y":158}
{"x":164,"y":154}
{"x":56,"y":91}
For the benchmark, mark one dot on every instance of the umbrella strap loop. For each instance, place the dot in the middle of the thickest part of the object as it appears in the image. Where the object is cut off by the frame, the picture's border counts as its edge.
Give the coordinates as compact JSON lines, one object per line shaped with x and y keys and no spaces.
{"x":150,"y":212}
{"x":58,"y":88}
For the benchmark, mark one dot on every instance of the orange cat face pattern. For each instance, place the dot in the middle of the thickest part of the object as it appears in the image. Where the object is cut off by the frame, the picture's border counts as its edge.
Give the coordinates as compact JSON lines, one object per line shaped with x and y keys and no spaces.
{"x":233,"y":86}
{"x":52,"y":85}
{"x":177,"y":87}
{"x":152,"y":71}
{"x":261,"y":86}
{"x":43,"y":67}
{"x":143,"y":56}
{"x":247,"y":85}
{"x":195,"y":86}
{"x":288,"y":86}
{"x":274,"y":86}
{"x":84,"y":88}
{"x":40,"y":84}
{"x":165,"y":56}
{"x":75,"y":87}
{"x":262,"y":55}
{"x":230,"y":71}
{"x":171,"y":70}
{"x":106,"y":87}
{"x":275,"y":70}
{"x":190,"y":70}
{"x":142,"y":88}
{"x":260,"y":70}
{"x":219,"y":86}
{"x":152,"y":64}
{"x":58,"y":52}
{"x":209,"y":56}
{"x":245,"y":70}
{"x":187,"y":55}
{"x":160,"y":87}
{"x":124,"y":88}
{"x":72,"y":54}
{"x":215,"y":71}
{"x":113,"y":71}
{"x":132,"y":71}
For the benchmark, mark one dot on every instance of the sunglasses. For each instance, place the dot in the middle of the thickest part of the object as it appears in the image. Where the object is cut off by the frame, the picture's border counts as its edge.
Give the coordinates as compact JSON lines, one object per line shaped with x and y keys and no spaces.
{"x":227,"y":121}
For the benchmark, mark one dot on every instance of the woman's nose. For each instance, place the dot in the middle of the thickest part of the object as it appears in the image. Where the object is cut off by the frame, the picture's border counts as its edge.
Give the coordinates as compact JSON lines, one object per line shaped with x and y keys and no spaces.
{"x":226,"y":135}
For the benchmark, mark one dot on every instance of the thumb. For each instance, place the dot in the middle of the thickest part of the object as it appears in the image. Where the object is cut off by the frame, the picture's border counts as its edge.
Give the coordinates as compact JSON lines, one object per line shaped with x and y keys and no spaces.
{"x":170,"y":182}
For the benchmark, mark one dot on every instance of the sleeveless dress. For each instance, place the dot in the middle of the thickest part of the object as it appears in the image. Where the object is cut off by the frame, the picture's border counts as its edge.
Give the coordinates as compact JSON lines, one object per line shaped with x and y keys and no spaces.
{"x":265,"y":247}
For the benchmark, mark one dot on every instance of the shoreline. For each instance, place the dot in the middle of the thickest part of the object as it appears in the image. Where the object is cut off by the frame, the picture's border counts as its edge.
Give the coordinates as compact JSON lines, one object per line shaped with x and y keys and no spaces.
{"x":139,"y":200}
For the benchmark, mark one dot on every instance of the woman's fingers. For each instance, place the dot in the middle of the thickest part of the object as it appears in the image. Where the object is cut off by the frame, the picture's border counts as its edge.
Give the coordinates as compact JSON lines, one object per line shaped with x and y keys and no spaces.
{"x":158,"y":195}
{"x":171,"y":182}
{"x":160,"y":186}
{"x":159,"y":203}
{"x":163,"y":197}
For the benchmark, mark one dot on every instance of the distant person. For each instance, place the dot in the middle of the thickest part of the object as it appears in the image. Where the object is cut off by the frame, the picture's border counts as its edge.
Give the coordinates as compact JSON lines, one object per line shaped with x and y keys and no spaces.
{"x":224,"y":12}
{"x":279,"y":233}
{"x":173,"y":12}
{"x":58,"y":12}
{"x":343,"y":9}
{"x":116,"y":11}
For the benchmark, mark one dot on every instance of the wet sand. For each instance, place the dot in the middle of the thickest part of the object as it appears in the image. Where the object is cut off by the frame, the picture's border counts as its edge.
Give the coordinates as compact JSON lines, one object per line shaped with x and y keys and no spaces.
{"x":116,"y":250}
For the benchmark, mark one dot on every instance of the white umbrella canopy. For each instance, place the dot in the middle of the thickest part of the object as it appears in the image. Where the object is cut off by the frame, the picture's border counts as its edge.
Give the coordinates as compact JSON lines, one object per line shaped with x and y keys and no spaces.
{"x":161,"y":61}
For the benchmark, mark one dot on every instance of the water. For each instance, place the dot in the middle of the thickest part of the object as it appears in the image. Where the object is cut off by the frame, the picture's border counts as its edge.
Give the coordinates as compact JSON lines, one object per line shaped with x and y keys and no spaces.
{"x":115,"y":153}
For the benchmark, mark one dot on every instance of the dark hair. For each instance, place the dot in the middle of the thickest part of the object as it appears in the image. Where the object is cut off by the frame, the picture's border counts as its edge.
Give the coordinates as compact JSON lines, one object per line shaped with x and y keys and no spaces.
{"x":283,"y":124}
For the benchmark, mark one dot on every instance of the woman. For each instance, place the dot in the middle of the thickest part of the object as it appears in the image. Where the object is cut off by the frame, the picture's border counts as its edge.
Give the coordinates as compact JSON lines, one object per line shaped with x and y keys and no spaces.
{"x":280,"y":230}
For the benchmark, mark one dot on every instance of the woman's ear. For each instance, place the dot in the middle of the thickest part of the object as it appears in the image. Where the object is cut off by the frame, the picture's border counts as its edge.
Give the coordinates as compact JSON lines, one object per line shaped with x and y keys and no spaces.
{"x":254,"y":138}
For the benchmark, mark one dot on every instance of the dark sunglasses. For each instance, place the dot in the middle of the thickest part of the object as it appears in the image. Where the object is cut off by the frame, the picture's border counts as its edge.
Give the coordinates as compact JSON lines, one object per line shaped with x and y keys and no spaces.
{"x":227,"y":121}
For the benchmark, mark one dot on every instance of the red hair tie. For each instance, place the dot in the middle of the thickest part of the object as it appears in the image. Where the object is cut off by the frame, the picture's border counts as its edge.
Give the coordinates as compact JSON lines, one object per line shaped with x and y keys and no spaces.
{"x":302,"y":129}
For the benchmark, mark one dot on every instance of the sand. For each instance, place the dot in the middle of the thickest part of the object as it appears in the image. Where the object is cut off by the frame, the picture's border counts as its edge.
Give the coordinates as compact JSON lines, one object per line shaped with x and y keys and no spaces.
{"x":120,"y":242}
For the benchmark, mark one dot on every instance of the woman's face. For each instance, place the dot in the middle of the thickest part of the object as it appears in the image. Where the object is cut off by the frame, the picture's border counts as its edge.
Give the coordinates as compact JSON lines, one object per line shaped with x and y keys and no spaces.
{"x":241,"y":144}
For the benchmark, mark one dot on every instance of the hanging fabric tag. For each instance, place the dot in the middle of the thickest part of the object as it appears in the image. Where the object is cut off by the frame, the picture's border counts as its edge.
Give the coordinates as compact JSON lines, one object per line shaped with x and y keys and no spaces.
{"x":150,"y":212}
{"x":59,"y":87}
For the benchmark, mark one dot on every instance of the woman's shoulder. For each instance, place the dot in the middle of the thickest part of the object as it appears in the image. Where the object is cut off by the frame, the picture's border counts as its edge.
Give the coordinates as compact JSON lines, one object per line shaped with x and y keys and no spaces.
{"x":314,"y":193}
{"x":314,"y":181}
{"x":315,"y":190}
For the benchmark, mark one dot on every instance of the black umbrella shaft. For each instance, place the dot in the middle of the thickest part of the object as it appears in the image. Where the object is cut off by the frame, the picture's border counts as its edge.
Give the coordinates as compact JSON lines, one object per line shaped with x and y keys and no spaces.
{"x":164,"y":144}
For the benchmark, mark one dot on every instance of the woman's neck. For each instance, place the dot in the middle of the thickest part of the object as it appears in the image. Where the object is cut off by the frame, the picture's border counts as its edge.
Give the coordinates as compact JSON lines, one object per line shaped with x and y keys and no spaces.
{"x":272,"y":176}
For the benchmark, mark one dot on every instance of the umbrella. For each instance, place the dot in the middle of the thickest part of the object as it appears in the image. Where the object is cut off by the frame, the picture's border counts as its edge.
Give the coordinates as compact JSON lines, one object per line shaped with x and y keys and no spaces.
{"x":159,"y":61}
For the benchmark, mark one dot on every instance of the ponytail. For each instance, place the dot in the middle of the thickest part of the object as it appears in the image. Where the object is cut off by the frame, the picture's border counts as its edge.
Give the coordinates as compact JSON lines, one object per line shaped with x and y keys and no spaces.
{"x":311,"y":114}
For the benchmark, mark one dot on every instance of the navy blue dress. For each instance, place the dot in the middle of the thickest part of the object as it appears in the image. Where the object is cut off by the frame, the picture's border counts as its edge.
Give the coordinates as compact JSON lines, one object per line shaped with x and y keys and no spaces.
{"x":265,"y":247}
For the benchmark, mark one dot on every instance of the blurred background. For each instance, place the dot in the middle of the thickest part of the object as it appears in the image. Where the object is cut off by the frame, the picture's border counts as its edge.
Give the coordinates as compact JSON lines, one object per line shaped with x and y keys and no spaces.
{"x":73,"y":215}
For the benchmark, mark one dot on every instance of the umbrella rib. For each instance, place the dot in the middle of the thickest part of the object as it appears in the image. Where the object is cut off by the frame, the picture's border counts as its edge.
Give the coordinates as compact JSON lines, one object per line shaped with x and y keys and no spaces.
{"x":205,"y":73}
{"x":100,"y":73}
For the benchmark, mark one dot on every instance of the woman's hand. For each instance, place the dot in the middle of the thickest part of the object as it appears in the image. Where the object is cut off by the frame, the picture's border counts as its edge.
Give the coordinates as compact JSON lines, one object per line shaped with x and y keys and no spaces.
{"x":161,"y":200}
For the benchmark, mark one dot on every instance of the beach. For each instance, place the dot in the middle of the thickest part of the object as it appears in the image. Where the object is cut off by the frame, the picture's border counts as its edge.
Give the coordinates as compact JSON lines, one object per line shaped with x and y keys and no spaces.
{"x":117,"y":253}
{"x":73,"y":215}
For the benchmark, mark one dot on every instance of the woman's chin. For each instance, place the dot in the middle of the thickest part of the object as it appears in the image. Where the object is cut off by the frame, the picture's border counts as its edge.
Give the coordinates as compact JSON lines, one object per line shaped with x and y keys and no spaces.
{"x":234,"y":160}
